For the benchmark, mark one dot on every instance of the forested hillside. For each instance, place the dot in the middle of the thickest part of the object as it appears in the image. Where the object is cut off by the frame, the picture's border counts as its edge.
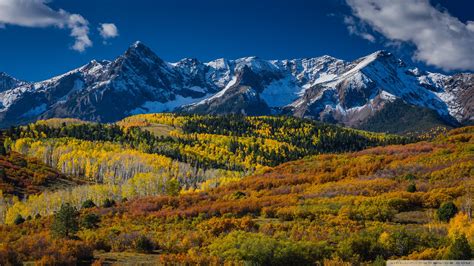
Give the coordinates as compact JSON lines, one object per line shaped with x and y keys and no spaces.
{"x":409,"y":201}
{"x":157,"y":154}
{"x":21,"y":176}
{"x":225,"y":142}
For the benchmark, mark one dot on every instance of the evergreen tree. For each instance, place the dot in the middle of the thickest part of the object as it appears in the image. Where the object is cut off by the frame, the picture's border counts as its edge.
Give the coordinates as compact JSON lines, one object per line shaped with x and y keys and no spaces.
{"x":108,"y":203}
{"x":90,"y":221}
{"x":19,"y":220}
{"x":143,"y":244}
{"x":459,"y":249}
{"x":88,"y":204}
{"x":447,"y":211}
{"x":411,"y":188}
{"x":65,"y":222}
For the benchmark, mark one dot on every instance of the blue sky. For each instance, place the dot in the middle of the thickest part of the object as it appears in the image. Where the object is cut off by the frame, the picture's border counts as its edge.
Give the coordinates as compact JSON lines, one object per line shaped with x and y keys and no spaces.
{"x":209,"y":29}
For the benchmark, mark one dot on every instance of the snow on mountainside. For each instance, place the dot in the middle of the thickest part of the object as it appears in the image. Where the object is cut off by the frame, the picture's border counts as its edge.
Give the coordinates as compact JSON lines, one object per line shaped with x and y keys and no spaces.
{"x":323,"y":88}
{"x":371,"y":82}
{"x":8,"y":82}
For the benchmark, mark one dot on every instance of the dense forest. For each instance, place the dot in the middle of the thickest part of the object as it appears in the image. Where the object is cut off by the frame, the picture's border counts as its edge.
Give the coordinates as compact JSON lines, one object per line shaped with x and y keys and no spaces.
{"x":206,"y":190}
{"x":228,"y":142}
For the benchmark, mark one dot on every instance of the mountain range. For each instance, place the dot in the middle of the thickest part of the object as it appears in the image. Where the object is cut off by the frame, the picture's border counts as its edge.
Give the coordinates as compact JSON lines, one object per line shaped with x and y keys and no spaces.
{"x":377,"y":92}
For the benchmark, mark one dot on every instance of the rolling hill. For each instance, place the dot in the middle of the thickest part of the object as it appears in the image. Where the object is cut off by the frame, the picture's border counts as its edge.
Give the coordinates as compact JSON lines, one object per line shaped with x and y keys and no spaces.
{"x":409,"y":201}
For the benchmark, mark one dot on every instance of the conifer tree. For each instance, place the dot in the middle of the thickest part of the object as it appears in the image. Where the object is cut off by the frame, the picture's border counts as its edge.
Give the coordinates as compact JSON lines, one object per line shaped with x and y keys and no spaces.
{"x":65,"y":222}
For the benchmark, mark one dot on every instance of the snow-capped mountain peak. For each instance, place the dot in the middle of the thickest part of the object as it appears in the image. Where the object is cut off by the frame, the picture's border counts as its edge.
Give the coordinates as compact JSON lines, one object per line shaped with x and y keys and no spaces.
{"x":324,"y":88}
{"x":8,"y":82}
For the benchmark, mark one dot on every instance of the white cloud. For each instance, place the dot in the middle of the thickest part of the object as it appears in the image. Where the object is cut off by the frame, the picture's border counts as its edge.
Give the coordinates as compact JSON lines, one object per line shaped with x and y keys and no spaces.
{"x":358,"y":29}
{"x":440,"y":39}
{"x":108,"y":30}
{"x":36,"y":14}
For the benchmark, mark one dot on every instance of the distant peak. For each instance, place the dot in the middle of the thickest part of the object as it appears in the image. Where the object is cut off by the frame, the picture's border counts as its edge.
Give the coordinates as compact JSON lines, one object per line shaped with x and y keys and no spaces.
{"x":7,"y":76}
{"x":140,"y":50}
{"x":190,"y":60}
{"x":381,"y":53}
{"x":253,"y":57}
{"x":376,"y":56}
{"x":138,"y":46}
{"x":100,"y":62}
{"x":326,"y":58}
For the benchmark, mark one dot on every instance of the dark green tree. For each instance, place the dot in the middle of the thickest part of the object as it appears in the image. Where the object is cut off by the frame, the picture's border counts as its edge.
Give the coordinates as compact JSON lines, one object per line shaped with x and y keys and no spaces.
{"x":90,"y":221}
{"x":411,"y":188}
{"x":88,"y":204}
{"x":446,"y":211}
{"x":143,"y":244}
{"x":410,"y":177}
{"x":66,"y":222}
{"x":459,"y":249}
{"x":172,"y":187}
{"x":3,"y":151}
{"x":19,"y":220}
{"x":108,"y":203}
{"x":3,"y":174}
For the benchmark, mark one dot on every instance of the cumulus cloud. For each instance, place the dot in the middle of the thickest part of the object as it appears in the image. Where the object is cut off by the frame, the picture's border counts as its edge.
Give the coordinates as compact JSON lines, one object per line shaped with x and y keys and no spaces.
{"x":36,"y":14}
{"x":108,"y":30}
{"x":440,"y":39}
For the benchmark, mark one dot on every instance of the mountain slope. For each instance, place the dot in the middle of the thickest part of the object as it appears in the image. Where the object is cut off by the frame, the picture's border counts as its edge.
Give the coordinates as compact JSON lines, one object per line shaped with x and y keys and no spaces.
{"x":401,"y":118}
{"x":368,"y":85}
{"x":135,"y":82}
{"x":21,"y":176}
{"x":334,"y":209}
{"x":323,"y":88}
{"x":8,"y":82}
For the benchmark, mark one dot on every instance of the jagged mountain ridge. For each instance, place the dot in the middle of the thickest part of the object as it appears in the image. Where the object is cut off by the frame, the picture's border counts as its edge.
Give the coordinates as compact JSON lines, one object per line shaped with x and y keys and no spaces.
{"x":323,"y":88}
{"x":8,"y":82}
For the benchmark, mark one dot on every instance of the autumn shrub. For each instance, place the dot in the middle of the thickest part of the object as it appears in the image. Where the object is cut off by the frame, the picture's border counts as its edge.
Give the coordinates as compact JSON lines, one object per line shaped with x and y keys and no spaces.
{"x":8,"y":256}
{"x":238,"y":195}
{"x":375,"y":210}
{"x":259,"y":249}
{"x":217,"y":226}
{"x":44,"y":249}
{"x":426,"y":254}
{"x":398,"y":242}
{"x":120,"y":242}
{"x":268,"y":212}
{"x":285,"y":214}
{"x":360,"y":247}
{"x":189,"y":259}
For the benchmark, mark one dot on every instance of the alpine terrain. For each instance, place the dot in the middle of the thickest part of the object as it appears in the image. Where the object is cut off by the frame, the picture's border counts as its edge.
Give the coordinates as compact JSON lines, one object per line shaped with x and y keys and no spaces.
{"x":372,"y":92}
